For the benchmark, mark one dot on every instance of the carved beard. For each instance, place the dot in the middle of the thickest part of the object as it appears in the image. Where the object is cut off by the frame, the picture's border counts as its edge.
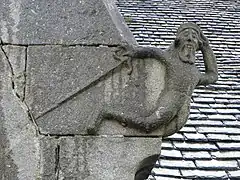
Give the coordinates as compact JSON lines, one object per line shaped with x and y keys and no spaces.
{"x":187,"y":53}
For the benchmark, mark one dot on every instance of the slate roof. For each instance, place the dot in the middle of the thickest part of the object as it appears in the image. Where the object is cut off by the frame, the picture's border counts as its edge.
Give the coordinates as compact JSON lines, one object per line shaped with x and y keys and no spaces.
{"x":208,"y":147}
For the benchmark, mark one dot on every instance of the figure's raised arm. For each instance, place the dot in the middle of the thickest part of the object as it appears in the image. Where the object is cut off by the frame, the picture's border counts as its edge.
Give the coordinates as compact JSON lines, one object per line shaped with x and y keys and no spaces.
{"x":211,"y":71}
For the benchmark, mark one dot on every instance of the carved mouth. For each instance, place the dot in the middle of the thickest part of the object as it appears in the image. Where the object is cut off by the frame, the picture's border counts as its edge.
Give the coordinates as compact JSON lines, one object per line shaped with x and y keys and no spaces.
{"x":190,"y":46}
{"x":188,"y":49}
{"x":187,"y":53}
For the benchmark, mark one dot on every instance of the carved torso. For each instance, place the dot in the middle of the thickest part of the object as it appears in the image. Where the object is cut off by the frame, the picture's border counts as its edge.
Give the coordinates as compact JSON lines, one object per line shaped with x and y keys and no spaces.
{"x":180,"y":76}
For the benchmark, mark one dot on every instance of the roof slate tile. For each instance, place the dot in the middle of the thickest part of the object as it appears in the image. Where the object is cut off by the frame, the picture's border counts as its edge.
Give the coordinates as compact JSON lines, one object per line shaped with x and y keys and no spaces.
{"x":165,"y":171}
{"x":177,"y":163}
{"x":221,"y":117}
{"x":228,"y":146}
{"x":217,"y":164}
{"x":204,"y":174}
{"x":194,"y":146}
{"x":171,"y":153}
{"x":218,"y":137}
{"x":228,"y":111}
{"x":226,"y":154}
{"x":196,"y":155}
{"x":205,"y":122}
{"x":188,"y":129}
{"x":195,"y":137}
{"x":218,"y":130}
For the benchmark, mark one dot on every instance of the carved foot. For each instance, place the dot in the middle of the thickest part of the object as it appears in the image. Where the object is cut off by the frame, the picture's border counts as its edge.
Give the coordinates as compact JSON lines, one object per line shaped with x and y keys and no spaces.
{"x":93,"y":127}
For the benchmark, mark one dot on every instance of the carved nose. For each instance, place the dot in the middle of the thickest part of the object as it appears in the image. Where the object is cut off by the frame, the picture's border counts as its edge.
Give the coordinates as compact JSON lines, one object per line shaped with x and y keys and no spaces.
{"x":189,"y":38}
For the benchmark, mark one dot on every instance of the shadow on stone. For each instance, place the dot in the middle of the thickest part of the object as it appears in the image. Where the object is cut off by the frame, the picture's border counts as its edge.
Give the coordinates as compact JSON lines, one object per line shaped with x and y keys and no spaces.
{"x":145,"y":167}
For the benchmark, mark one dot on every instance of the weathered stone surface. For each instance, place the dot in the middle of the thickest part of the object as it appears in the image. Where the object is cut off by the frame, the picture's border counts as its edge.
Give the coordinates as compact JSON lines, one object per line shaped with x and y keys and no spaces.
{"x":61,"y":22}
{"x":56,"y":72}
{"x":49,"y":151}
{"x":19,"y":147}
{"x":79,"y":82}
{"x":17,"y":58}
{"x":102,"y":158}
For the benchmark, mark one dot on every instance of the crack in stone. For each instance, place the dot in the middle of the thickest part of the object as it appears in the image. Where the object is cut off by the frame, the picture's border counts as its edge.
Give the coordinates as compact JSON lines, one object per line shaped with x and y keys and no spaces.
{"x":57,"y":162}
{"x":32,"y":119}
{"x":110,"y":135}
{"x":7,"y":58}
{"x":64,"y":45}
{"x":24,"y":105}
{"x":59,"y":135}
{"x":25,"y":74}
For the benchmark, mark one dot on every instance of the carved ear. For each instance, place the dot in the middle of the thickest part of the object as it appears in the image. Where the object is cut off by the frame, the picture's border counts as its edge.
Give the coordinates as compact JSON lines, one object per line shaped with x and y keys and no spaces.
{"x":200,"y":45}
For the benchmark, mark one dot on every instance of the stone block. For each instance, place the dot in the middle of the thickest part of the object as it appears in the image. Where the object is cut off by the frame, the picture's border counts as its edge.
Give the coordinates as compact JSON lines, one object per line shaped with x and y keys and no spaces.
{"x":104,"y":157}
{"x":56,"y":72}
{"x":19,"y":146}
{"x":61,"y":22}
{"x":49,"y":150}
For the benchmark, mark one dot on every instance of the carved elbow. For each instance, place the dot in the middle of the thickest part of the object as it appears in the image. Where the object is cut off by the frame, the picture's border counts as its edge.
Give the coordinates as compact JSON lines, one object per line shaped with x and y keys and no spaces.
{"x":208,"y":78}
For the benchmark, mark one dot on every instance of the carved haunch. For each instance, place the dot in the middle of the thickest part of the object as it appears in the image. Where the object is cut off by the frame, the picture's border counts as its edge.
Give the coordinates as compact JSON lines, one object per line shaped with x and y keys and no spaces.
{"x":172,"y":106}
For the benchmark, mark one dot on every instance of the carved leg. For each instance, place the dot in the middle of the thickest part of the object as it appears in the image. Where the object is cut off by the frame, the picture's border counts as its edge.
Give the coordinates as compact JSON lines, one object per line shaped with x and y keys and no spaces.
{"x":97,"y":118}
{"x":169,"y":105}
{"x":179,"y":120}
{"x":116,"y":112}
{"x":158,"y":118}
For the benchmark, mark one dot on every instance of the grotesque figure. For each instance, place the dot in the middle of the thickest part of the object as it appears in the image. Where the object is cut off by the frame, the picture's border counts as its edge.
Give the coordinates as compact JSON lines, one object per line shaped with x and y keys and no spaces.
{"x":182,"y":76}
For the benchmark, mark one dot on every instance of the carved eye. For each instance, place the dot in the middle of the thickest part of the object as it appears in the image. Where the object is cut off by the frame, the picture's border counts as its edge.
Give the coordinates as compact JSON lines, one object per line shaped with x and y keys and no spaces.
{"x":185,"y":34}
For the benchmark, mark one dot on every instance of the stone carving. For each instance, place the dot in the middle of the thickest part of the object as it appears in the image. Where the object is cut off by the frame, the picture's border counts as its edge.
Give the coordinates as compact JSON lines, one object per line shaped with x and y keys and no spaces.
{"x":182,"y":76}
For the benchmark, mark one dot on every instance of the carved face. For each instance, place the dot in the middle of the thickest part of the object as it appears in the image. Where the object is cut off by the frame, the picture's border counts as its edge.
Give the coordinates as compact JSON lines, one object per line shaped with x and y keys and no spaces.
{"x":188,"y":44}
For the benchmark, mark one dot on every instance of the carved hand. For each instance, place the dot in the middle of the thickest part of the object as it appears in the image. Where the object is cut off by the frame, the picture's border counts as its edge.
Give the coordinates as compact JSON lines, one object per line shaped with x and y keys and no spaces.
{"x":204,"y":43}
{"x":125,"y":53}
{"x":125,"y":50}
